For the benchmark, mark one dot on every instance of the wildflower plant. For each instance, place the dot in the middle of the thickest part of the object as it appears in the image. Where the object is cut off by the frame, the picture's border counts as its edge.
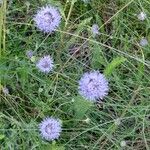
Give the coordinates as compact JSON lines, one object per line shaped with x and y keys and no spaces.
{"x":47,"y":19}
{"x":122,"y":51}
{"x":50,"y":128}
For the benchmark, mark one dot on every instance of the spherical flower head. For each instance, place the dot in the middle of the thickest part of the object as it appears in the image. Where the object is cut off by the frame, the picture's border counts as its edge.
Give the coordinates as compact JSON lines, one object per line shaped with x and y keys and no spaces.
{"x":143,"y":42}
{"x":95,"y":29}
{"x":50,"y":128}
{"x":45,"y":64}
{"x":142,"y":16}
{"x":29,"y":53}
{"x":93,"y":86}
{"x":47,"y":19}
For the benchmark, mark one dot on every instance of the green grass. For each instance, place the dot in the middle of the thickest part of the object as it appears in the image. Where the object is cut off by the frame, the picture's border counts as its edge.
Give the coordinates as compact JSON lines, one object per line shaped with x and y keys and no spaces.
{"x":116,"y":52}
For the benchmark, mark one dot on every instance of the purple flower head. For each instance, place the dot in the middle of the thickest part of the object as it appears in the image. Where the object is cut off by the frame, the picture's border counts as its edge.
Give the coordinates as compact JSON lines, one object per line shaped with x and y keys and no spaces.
{"x":47,"y":19}
{"x":45,"y":64}
{"x":50,"y":128}
{"x":143,"y":42}
{"x":95,"y":29}
{"x":29,"y":53}
{"x":93,"y":86}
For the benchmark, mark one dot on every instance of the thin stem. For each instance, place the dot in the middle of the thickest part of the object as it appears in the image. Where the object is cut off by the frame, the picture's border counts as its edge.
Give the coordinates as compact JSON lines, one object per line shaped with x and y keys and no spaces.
{"x":69,"y":13}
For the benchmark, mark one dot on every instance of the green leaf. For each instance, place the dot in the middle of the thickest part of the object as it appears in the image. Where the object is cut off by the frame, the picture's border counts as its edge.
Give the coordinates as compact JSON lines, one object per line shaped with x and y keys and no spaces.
{"x":140,"y":72}
{"x":81,"y":106}
{"x":112,"y":65}
{"x":23,"y":74}
{"x":97,"y":57}
{"x":57,"y":148}
{"x":52,"y":147}
{"x":2,"y":136}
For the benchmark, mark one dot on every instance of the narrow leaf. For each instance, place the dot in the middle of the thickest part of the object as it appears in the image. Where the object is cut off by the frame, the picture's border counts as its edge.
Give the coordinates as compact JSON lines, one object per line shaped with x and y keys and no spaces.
{"x":81,"y":106}
{"x":97,"y":57}
{"x":2,"y":136}
{"x":112,"y":65}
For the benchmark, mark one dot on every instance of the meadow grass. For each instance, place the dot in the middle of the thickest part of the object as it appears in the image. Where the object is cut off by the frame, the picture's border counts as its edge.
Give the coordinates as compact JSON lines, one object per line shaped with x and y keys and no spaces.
{"x":121,"y":120}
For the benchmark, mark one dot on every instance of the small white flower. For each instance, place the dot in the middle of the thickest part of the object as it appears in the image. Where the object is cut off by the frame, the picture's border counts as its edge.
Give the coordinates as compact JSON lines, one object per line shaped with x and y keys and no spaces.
{"x":117,"y":121}
{"x":123,"y":143}
{"x":143,"y":42}
{"x":40,"y":90}
{"x":72,"y":100}
{"x":87,"y":120}
{"x":5,"y":90}
{"x":67,"y":93}
{"x":142,"y":16}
